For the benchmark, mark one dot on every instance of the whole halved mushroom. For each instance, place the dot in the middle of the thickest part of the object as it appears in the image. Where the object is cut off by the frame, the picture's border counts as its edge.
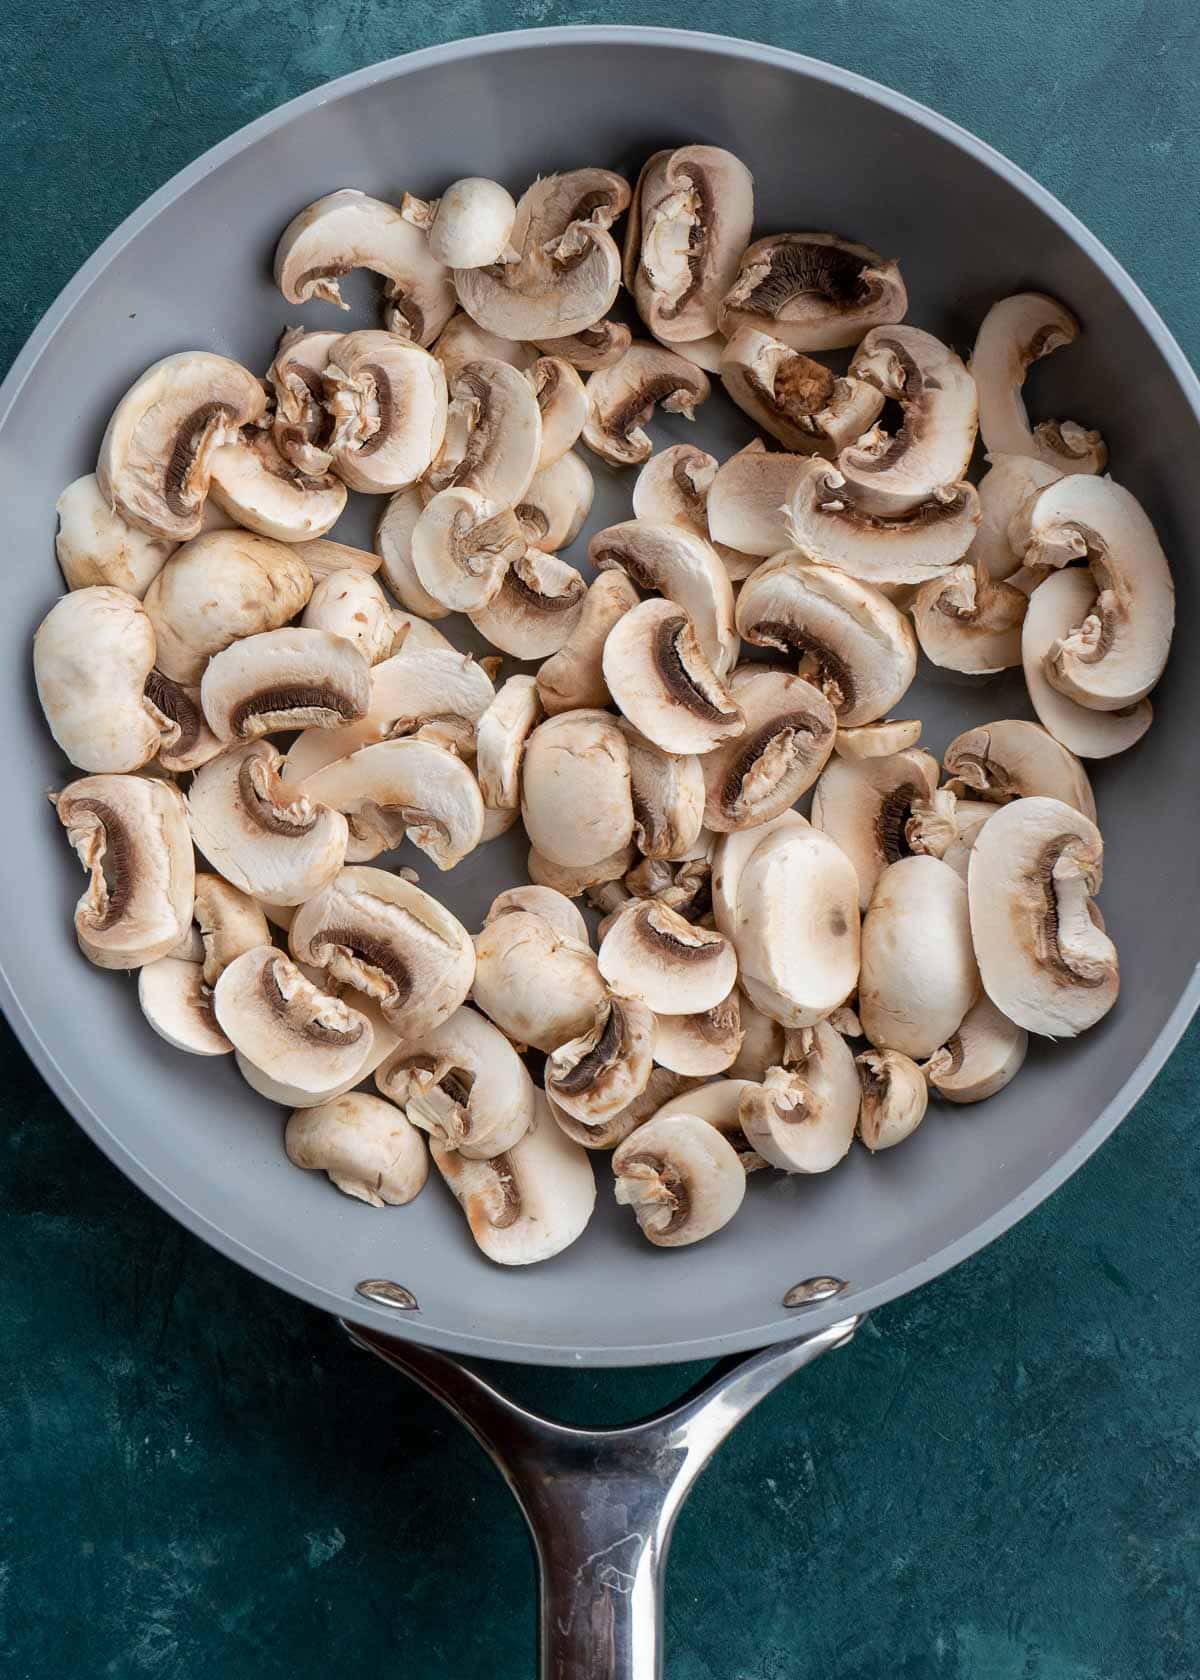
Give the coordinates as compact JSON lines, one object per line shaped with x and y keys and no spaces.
{"x":966,"y":621}
{"x":284,"y":679}
{"x":539,"y":985}
{"x":406,"y":789}
{"x":653,"y":955}
{"x":388,"y":401}
{"x":261,"y":833}
{"x":691,"y":216}
{"x":877,"y":740}
{"x":493,"y":438}
{"x":529,"y":1203}
{"x":156,"y":454}
{"x":96,"y":545}
{"x":1009,"y":483}
{"x":599,"y":346}
{"x":462,"y":545}
{"x":463,"y":340}
{"x":621,"y":400}
{"x":573,"y":880}
{"x":302,"y":426}
{"x":393,"y":543}
{"x":259,"y":489}
{"x":563,"y":403}
{"x":676,"y":563}
{"x":789,"y":735}
{"x":573,"y":678}
{"x":598,"y":1074}
{"x":894,"y":1098}
{"x":1013,"y":759}
{"x":469,"y":225}
{"x":658,"y":675}
{"x":799,"y":401}
{"x":553,"y":907}
{"x":731,"y":854}
{"x":717,"y":1102}
{"x":702,"y":1044}
{"x":463,"y":1083}
{"x":352,"y":605}
{"x":177,"y":1003}
{"x":979,"y":1059}
{"x":389,"y":940}
{"x":553,"y":509}
{"x":1056,"y":608}
{"x":500,"y":744}
{"x":1014,"y":334}
{"x":813,"y":291}
{"x":346,"y":230}
{"x":283,"y":1024}
{"x":93,"y":657}
{"x":865,"y":805}
{"x":366,"y":1146}
{"x":668,"y":797}
{"x":825,"y":520}
{"x":536,"y":607}
{"x":230,"y":922}
{"x":575,"y":790}
{"x":1113,"y":657}
{"x":918,"y":973}
{"x":802,"y":1117}
{"x":681,"y":1177}
{"x":672,"y":489}
{"x":131,"y":835}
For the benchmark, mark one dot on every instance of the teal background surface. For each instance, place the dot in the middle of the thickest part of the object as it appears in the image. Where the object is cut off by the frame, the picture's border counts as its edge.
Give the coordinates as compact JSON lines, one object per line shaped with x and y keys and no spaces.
{"x":1000,"y":1479}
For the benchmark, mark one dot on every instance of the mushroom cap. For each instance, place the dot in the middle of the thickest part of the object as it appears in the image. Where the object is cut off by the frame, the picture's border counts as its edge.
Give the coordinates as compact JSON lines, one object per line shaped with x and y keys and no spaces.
{"x":1044,"y":961}
{"x":657,"y":673}
{"x":813,"y":291}
{"x":700,"y":1044}
{"x":572,"y":880}
{"x":749,"y":499}
{"x":228,"y":922}
{"x":500,"y":742}
{"x":622,"y":398}
{"x":554,"y":508}
{"x":93,"y":655}
{"x":96,"y":545}
{"x":406,"y":789}
{"x":302,"y":426}
{"x":284,"y":1025}
{"x":1004,"y":489}
{"x":352,"y":605}
{"x":553,"y":907}
{"x":598,"y":346}
{"x":284,"y":679}
{"x":469,"y":225}
{"x":493,"y":434}
{"x":653,"y":955}
{"x":1058,"y":606}
{"x":825,"y":520}
{"x":789,"y":735}
{"x":678,"y":564}
{"x":463,"y":1083}
{"x":463,"y":340}
{"x":1013,"y":335}
{"x":668,"y":797}
{"x":131,"y":835}
{"x":576,"y":800}
{"x":894,"y":1098}
{"x":393,"y":543}
{"x":563,"y":403}
{"x":178,"y":1004}
{"x":798,"y":401}
{"x":536,"y":607}
{"x":979,"y":1059}
{"x":918,"y":973}
{"x":802,"y":1117}
{"x":156,"y":454}
{"x":691,"y":217}
{"x":1012,"y":759}
{"x":864,"y":805}
{"x":731,"y":854}
{"x":877,"y":740}
{"x":681,"y":1177}
{"x":368,"y":1148}
{"x":388,"y":401}
{"x":596,"y":1075}
{"x":265,"y":836}
{"x":261,"y":490}
{"x":462,"y":545}
{"x":966,"y":621}
{"x":539,"y":985}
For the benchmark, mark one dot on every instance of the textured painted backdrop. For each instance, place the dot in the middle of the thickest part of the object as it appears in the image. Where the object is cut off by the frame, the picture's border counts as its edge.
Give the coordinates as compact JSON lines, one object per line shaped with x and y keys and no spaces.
{"x":1000,"y":1481}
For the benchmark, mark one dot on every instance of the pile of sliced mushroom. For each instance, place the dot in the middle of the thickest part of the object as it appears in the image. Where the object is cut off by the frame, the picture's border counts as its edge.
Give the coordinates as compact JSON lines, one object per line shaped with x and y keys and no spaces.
{"x":763,"y":987}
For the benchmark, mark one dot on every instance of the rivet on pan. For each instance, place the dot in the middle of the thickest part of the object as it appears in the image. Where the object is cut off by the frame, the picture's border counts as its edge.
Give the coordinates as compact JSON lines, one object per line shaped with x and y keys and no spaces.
{"x":811,"y":1290}
{"x":388,"y":1294}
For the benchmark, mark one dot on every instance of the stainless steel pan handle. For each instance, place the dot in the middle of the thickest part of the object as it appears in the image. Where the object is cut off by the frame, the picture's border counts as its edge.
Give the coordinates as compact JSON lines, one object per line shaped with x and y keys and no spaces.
{"x":601,"y":1503}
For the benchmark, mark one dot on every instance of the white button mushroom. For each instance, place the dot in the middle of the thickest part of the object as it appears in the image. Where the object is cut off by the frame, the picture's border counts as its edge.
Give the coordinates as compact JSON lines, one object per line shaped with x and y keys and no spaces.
{"x":731,"y":854}
{"x":918,"y":975}
{"x":701,"y":1044}
{"x":469,"y":225}
{"x":789,"y":735}
{"x":813,"y":291}
{"x":799,"y":401}
{"x":689,"y":222}
{"x":986,"y":1052}
{"x":1014,"y":334}
{"x":598,"y":1074}
{"x":351,"y":604}
{"x":576,"y":797}
{"x":657,"y":673}
{"x":388,"y":402}
{"x":367,"y":1148}
{"x":553,"y":907}
{"x":177,"y":1003}
{"x":681,"y":1177}
{"x":965,"y":621}
{"x":1013,"y":759}
{"x":258,"y":488}
{"x":95,"y":545}
{"x":553,"y":509}
{"x":286,"y":1026}
{"x":670,"y":561}
{"x":464,"y":1084}
{"x":652,"y":954}
{"x":718,"y":1102}
{"x":539,"y":985}
{"x":493,"y":439}
{"x":284,"y":679}
{"x":621,"y":400}
{"x":536,"y":608}
{"x":1056,"y":608}
{"x":802,"y":1117}
{"x":573,"y":678}
{"x":229,"y":923}
{"x":877,"y":740}
{"x":598,"y":346}
{"x":1010,"y":482}
{"x":865,"y":806}
{"x":402,"y":789}
{"x":302,"y":426}
{"x":462,"y":545}
{"x":894,"y":1098}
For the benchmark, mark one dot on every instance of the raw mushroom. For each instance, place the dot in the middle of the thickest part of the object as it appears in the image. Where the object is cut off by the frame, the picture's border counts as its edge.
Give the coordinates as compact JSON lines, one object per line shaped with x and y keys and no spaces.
{"x":968,"y":819}
{"x":324,"y":1085}
{"x":156,"y":454}
{"x":681,"y":1177}
{"x":573,"y":678}
{"x":691,"y":217}
{"x":177,"y":1003}
{"x":654,"y":956}
{"x":598,"y":346}
{"x":539,"y":985}
{"x":658,"y":675}
{"x":366,"y":1146}
{"x":864,"y":805}
{"x":462,"y":545}
{"x":979,"y":1059}
{"x":573,"y":880}
{"x":406,"y":789}
{"x":536,"y":607}
{"x":661,"y":1086}
{"x":284,"y":1025}
{"x":621,"y":400}
{"x":284,"y":679}
{"x":826,"y":521}
{"x":894,"y":1098}
{"x":800,"y":402}
{"x":718,"y":1103}
{"x":551,"y":906}
{"x":877,"y":740}
{"x":813,"y":291}
{"x":1013,"y":759}
{"x":670,"y":561}
{"x":966,"y":621}
{"x":195,"y":743}
{"x":258,"y":489}
{"x":763,"y":1041}
{"x":598,"y":1074}
{"x":323,"y":556}
{"x":789,"y":735}
{"x":1009,"y":483}
{"x":131,"y":836}
{"x":802,"y":1117}
{"x":352,"y":605}
{"x":555,"y":206}
{"x":672,"y":489}
{"x":668,"y":797}
{"x":918,"y":973}
{"x":749,"y":498}
{"x":575,"y":789}
{"x":388,"y":401}
{"x":1014,"y":334}
{"x":463,"y":1083}
{"x":95,"y":545}
{"x":705,"y":1043}
{"x":563,"y":402}
{"x":493,"y":435}
{"x":302,"y":426}
{"x":393,"y":543}
{"x":731,"y":854}
{"x":469,"y":225}
{"x":500,"y":746}
{"x":1065,"y":600}
{"x":463,"y":341}
{"x":230,"y":923}
{"x":553,"y":509}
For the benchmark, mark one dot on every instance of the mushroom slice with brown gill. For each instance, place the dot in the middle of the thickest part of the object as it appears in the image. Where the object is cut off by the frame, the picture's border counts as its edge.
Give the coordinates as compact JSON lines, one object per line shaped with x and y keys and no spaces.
{"x":562,"y":400}
{"x":864,"y":805}
{"x":797,"y":927}
{"x":661,"y":1086}
{"x":981,"y":1058}
{"x":598,"y":1074}
{"x":621,"y":400}
{"x":575,"y":789}
{"x":469,"y":225}
{"x":346,"y":230}
{"x":813,"y":291}
{"x":539,"y":985}
{"x":718,"y":1102}
{"x":230,"y":922}
{"x":365,"y":1146}
{"x":302,"y":426}
{"x":672,"y":489}
{"x":1113,"y":657}
{"x":262,"y":834}
{"x":678,"y":564}
{"x":284,"y":679}
{"x":802,"y":1117}
{"x":657,"y":673}
{"x":681,"y":1177}
{"x":353,"y":605}
{"x":573,"y":678}
{"x":195,"y":742}
{"x":789,"y":735}
{"x":529,"y":1203}
{"x":1013,"y":759}
{"x":493,"y":437}
{"x":598,"y":346}
{"x":96,"y":545}
{"x":894,"y":1098}
{"x":553,"y":907}
{"x":463,"y":1083}
{"x":654,"y":956}
{"x":284,"y":1025}
{"x":1010,"y":482}
{"x":966,"y":621}
{"x":393,"y":543}
{"x":668,"y":797}
{"x":177,"y":1003}
{"x":573,"y":880}
{"x":500,"y":746}
{"x":701,"y":1044}
{"x":825,"y":520}
{"x":691,"y":216}
{"x":130,"y":834}
{"x":918,"y":972}
{"x":388,"y":401}
{"x":217,"y":589}
{"x":877,"y":740}
{"x":156,"y":455}
{"x":536,"y":607}
{"x":851,"y":642}
{"x":553,"y":509}
{"x":462,"y":545}
{"x":1015,"y":333}
{"x":322,"y":1086}
{"x":1045,"y":962}
{"x":1056,"y":608}
{"x":406,"y":789}
{"x":93,"y":657}
{"x":555,"y":206}
{"x":378,"y":933}
{"x":799,"y":401}
{"x":731,"y":854}
{"x":261,"y":491}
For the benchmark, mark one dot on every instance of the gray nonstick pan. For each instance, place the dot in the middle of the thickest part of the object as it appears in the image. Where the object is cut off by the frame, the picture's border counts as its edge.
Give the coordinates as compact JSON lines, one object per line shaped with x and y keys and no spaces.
{"x":791,"y":1276}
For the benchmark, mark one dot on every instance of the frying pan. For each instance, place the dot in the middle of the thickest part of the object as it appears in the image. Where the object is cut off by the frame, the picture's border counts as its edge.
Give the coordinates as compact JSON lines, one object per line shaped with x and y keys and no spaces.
{"x":804,"y":1260}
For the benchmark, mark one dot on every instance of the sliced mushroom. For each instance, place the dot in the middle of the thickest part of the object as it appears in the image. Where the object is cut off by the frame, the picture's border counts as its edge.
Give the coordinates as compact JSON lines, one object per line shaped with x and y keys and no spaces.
{"x":668,"y":797}
{"x":563,"y":403}
{"x":230,"y":922}
{"x":377,"y":932}
{"x":261,"y":833}
{"x":346,"y":230}
{"x":177,"y":1003}
{"x":681,"y":1177}
{"x":981,"y":1058}
{"x":813,"y":291}
{"x":691,"y":217}
{"x":799,"y":401}
{"x":352,"y":605}
{"x":393,"y":542}
{"x":462,"y":545}
{"x":217,"y":589}
{"x":894,"y":1098}
{"x":966,"y":621}
{"x":554,"y":507}
{"x":657,"y":673}
{"x":749,"y":500}
{"x":679,"y":565}
{"x":573,"y":880}
{"x":789,"y":735}
{"x":503,"y":731}
{"x":763,"y":1044}
{"x":284,"y":1025}
{"x":702,"y":1044}
{"x":322,"y":556}
{"x":302,"y":425}
{"x":529,"y":1203}
{"x":672,"y":489}
{"x":621,"y":400}
{"x":797,"y":927}
{"x":1010,"y":482}
{"x":539,"y":985}
{"x":93,"y":659}
{"x":194,"y":742}
{"x":96,"y":545}
{"x":366,"y":1146}
{"x":406,"y":789}
{"x":918,"y":976}
{"x":389,"y":404}
{"x":599,"y":346}
{"x":825,"y":520}
{"x":1013,"y":759}
{"x":536,"y":607}
{"x":131,"y":835}
{"x":555,"y":206}
{"x":464,"y":1084}
{"x":598,"y":1074}
{"x":731,"y":855}
{"x":493,"y":438}
{"x":284,"y":679}
{"x":1014,"y":334}
{"x":157,"y":452}
{"x":877,"y":740}
{"x":661,"y":1086}
{"x":575,"y":791}
{"x":802,"y":1117}
{"x":865,"y":806}
{"x":553,"y":907}
{"x":718,"y":1103}
{"x":654,"y":956}
{"x":322,"y":1086}
{"x":1056,"y":608}
{"x":262,"y":491}
{"x":469,"y":225}
{"x":573,"y":678}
